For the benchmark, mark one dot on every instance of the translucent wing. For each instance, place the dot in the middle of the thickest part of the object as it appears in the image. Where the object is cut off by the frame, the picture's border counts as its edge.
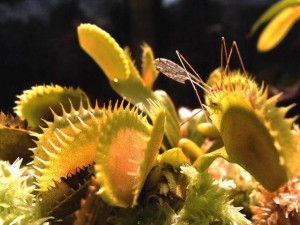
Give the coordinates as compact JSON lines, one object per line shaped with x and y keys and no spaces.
{"x":172,"y":70}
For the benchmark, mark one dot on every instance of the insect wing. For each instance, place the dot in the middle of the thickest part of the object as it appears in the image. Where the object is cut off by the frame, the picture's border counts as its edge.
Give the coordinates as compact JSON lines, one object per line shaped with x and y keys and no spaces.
{"x":171,"y":70}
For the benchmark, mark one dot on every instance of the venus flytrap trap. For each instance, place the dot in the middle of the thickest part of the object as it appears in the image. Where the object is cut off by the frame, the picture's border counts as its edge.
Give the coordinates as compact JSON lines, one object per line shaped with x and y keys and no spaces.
{"x":71,"y":135}
{"x":15,"y":139}
{"x":127,"y":149}
{"x":265,"y":143}
{"x":63,"y":198}
{"x":34,"y":104}
{"x":255,"y":133}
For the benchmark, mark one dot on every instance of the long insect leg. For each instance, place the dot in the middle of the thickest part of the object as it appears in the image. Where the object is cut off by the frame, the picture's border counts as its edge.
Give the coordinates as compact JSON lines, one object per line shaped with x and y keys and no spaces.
{"x":235,"y":47}
{"x":194,"y":87}
{"x":223,"y":50}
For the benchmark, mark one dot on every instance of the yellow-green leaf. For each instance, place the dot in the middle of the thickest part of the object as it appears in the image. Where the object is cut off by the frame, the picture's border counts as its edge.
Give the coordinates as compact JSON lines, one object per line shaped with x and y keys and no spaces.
{"x":278,"y":28}
{"x":271,"y":12}
{"x":149,"y":71}
{"x":104,"y":50}
{"x":208,"y":129}
{"x":205,"y":160}
{"x":133,"y":88}
{"x":174,"y":157}
{"x":190,"y":148}
{"x":172,"y":131}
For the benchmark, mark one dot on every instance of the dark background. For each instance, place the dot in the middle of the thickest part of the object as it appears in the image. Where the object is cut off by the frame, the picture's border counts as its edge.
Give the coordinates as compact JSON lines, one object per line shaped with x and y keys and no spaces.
{"x":38,"y":43}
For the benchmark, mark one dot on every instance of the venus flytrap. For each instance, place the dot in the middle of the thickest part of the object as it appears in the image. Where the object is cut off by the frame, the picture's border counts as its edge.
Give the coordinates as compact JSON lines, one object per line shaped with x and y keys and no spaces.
{"x":254,"y":130}
{"x":255,"y":133}
{"x":34,"y":104}
{"x":124,"y":77}
{"x":76,"y":135}
{"x":64,"y":197}
{"x":127,"y":149}
{"x":131,"y":162}
{"x":72,"y":135}
{"x":138,"y":91}
{"x":80,"y":136}
{"x":120,"y":141}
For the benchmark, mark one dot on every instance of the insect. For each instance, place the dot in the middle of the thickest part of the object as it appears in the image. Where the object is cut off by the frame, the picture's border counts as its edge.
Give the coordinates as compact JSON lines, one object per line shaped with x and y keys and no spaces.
{"x":181,"y":75}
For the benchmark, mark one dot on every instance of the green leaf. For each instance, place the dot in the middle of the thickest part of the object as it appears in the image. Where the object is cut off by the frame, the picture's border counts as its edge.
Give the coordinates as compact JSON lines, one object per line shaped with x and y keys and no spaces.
{"x":207,"y":201}
{"x":133,"y":89}
{"x":205,"y":160}
{"x":208,"y":130}
{"x":278,"y":28}
{"x":190,"y":148}
{"x":17,"y":196}
{"x":271,"y":12}
{"x":172,"y":131}
{"x":174,"y":157}
{"x":149,"y":71}
{"x":197,"y":118}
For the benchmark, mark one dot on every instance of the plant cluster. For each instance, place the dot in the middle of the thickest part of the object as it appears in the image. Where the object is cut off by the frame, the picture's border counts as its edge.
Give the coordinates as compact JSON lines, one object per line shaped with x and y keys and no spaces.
{"x":132,"y":163}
